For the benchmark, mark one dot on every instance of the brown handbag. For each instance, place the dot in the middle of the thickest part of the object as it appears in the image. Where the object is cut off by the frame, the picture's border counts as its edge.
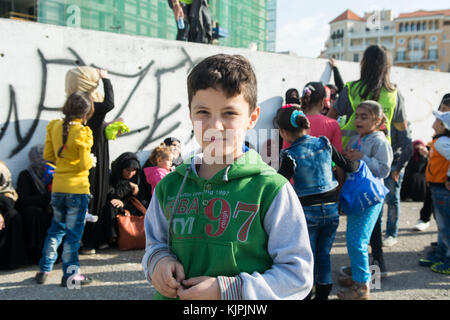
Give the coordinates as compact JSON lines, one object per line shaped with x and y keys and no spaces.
{"x":131,"y":228}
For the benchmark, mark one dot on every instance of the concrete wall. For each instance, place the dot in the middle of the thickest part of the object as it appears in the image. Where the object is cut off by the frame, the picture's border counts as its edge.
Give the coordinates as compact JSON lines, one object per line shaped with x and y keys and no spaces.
{"x":149,"y":80}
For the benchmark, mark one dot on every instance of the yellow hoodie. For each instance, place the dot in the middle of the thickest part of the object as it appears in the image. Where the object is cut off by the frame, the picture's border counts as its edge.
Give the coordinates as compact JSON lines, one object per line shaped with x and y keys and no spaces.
{"x":72,"y":171}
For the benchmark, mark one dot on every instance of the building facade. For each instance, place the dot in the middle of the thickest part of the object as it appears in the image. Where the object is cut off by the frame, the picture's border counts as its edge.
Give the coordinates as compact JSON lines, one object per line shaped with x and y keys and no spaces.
{"x":247,"y":23}
{"x":418,"y":39}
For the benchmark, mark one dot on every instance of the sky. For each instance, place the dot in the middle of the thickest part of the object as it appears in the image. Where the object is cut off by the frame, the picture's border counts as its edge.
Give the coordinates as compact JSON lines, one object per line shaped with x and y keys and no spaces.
{"x":303,"y":25}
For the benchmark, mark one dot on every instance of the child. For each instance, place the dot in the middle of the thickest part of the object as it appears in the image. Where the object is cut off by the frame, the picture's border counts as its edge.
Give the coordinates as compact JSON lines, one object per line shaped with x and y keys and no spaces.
{"x":175,"y":146}
{"x":161,"y":159}
{"x":320,"y":125}
{"x":309,"y":162}
{"x":438,"y":176}
{"x":68,"y":144}
{"x":225,"y":225}
{"x":371,"y":146}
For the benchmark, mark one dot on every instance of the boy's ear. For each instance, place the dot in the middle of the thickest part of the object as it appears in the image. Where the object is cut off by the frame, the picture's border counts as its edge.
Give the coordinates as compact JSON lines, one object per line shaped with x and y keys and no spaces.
{"x":254,"y":116}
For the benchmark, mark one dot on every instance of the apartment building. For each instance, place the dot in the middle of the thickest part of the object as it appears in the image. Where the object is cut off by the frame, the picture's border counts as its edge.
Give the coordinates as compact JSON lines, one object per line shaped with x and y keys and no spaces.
{"x":351,"y":34}
{"x":423,"y":40}
{"x":419,"y":39}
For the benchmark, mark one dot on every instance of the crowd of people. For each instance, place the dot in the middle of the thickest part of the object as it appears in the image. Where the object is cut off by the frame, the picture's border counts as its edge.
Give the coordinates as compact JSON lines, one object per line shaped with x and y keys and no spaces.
{"x":276,"y":242}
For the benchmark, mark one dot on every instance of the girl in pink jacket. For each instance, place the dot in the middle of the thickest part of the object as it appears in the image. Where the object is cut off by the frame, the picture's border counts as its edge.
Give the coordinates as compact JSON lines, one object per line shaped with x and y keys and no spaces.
{"x":161,"y":158}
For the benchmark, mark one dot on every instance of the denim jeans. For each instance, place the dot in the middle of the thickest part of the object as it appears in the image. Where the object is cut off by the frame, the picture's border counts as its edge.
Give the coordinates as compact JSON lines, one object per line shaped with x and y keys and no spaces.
{"x":393,"y":203}
{"x":69,"y":211}
{"x":441,"y":204}
{"x":322,"y":221}
{"x":359,"y":231}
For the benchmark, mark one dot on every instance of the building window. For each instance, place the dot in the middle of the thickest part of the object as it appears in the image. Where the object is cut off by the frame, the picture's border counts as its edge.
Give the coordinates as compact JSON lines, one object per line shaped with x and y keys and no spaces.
{"x":400,"y":55}
{"x":407,"y":27}
{"x":401,"y":40}
{"x":444,"y":52}
{"x":413,"y":27}
{"x":424,"y":26}
{"x":432,"y":68}
{"x":401,"y":29}
{"x":355,"y":57}
{"x":432,"y":54}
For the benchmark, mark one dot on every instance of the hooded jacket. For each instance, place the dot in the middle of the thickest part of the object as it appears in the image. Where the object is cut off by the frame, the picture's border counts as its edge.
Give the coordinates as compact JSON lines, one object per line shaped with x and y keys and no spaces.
{"x":244,"y":226}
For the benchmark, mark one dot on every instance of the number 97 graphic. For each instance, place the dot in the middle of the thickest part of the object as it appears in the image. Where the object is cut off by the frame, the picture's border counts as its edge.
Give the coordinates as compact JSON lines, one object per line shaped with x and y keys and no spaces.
{"x":224,"y":217}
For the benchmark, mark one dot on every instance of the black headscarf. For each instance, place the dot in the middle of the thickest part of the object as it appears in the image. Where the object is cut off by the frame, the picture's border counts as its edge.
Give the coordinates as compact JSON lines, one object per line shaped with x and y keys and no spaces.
{"x":292,"y":100}
{"x":125,"y":160}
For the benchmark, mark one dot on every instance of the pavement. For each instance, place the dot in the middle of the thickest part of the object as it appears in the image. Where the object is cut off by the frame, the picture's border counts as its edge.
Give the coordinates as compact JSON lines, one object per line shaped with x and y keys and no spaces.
{"x":118,"y":274}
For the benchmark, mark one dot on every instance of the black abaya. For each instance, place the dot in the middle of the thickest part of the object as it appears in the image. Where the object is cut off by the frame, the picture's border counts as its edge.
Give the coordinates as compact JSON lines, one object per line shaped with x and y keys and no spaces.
{"x":36,"y":213}
{"x":95,"y":233}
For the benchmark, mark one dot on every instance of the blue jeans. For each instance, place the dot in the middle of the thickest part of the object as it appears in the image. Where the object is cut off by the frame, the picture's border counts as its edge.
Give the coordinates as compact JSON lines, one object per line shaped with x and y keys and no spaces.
{"x":322,"y":221}
{"x":441,"y":204}
{"x":359,"y":230}
{"x":69,"y":211}
{"x":393,"y":202}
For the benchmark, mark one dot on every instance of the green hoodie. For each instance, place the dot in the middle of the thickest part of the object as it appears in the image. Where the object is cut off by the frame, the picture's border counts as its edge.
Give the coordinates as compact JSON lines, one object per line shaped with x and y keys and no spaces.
{"x":217,"y":228}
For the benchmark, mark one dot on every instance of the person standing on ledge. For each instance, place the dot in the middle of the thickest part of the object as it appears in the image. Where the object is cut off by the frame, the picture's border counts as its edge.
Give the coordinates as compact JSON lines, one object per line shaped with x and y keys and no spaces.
{"x":193,"y":20}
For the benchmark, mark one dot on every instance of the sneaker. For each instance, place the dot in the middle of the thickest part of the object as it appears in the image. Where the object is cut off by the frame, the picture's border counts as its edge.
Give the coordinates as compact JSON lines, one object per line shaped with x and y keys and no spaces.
{"x":441,"y":267}
{"x":431,"y":259}
{"x":91,"y":218}
{"x":345,"y":271}
{"x":421,"y":225}
{"x":41,"y":277}
{"x":390,"y":241}
{"x":87,"y":251}
{"x":80,"y":279}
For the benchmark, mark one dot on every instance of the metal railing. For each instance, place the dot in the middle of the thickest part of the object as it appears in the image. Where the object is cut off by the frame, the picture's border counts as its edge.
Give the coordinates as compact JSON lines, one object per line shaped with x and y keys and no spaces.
{"x":19,"y":16}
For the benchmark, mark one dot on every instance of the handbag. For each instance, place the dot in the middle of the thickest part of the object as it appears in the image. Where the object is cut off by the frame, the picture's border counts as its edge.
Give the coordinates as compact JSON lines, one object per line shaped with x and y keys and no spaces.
{"x":131,"y":228}
{"x":361,"y":190}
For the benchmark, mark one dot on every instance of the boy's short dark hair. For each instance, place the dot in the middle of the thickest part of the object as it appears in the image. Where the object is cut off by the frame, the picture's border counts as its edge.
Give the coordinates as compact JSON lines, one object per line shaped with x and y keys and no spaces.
{"x":231,"y":73}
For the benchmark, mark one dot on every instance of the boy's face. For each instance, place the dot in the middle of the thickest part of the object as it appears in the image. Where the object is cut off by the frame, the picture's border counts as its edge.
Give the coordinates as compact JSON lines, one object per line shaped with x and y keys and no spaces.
{"x":438,"y":126}
{"x":220,"y":124}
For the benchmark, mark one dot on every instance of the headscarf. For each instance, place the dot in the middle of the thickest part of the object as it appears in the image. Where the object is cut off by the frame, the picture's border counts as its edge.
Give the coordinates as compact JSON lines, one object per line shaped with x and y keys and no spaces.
{"x":125,"y":160}
{"x":83,"y":79}
{"x":291,"y":100}
{"x":37,"y":167}
{"x":416,"y":154}
{"x":6,"y":186}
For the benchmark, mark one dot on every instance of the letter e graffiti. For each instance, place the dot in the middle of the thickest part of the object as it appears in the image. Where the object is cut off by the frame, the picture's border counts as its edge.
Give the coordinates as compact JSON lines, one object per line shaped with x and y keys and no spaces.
{"x":73,"y":283}
{"x":73,"y":16}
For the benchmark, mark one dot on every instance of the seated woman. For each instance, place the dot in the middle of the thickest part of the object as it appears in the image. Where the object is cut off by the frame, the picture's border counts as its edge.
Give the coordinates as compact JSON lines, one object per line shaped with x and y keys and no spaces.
{"x":12,"y":246}
{"x":127,"y":184}
{"x":34,"y":202}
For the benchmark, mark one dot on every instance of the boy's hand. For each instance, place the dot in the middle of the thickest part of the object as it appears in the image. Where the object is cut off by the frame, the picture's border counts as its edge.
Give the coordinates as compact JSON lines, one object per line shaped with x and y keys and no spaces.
{"x":167,"y":276}
{"x":200,"y":288}
{"x":117,"y":203}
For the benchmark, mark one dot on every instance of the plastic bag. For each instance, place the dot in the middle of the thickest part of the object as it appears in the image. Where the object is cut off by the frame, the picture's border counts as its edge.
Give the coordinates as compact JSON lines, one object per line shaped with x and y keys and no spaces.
{"x":361,"y":190}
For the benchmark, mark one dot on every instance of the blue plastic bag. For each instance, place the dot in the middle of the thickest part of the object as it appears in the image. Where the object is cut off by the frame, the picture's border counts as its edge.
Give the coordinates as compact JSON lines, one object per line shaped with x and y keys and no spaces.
{"x":361,"y":190}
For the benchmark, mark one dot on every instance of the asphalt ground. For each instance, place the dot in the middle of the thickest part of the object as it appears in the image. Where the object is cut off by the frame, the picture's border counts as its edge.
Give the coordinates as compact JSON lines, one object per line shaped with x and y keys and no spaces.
{"x":118,"y":274}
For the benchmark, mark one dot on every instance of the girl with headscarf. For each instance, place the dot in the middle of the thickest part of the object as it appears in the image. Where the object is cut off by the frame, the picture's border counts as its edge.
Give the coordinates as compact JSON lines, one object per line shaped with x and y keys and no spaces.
{"x":34,"y":202}
{"x":12,"y":246}
{"x":86,"y":79}
{"x":127,"y":181}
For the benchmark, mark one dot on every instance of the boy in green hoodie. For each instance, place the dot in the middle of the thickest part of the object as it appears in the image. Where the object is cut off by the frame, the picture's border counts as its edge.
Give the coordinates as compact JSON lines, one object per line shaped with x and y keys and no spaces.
{"x":224,"y":224}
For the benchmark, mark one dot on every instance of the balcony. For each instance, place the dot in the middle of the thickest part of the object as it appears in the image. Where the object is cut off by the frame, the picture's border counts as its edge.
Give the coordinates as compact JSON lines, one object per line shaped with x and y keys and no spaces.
{"x":372,"y":34}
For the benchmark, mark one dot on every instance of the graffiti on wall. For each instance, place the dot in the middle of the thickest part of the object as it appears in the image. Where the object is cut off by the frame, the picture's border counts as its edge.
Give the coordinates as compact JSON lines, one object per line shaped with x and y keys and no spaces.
{"x":149,"y":132}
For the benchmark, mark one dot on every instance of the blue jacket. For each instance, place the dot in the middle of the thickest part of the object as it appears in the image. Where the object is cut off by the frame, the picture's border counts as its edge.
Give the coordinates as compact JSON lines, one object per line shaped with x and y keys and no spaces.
{"x":313,"y":171}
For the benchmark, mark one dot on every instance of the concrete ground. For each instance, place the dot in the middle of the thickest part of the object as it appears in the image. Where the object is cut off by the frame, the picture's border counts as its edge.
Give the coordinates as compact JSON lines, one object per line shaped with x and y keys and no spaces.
{"x":118,"y":275}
